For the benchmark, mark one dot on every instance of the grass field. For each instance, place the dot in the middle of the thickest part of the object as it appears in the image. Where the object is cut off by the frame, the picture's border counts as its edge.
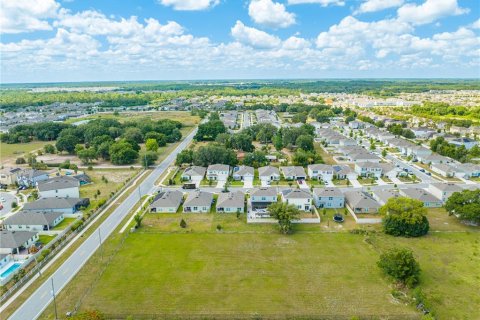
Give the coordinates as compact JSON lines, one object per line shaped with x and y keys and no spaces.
{"x":65,"y":223}
{"x":45,"y":239}
{"x":251,"y":270}
{"x":16,"y":150}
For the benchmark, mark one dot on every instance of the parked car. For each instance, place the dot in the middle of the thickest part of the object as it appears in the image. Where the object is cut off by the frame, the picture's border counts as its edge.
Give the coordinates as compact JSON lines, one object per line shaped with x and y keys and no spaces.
{"x":422,"y":170}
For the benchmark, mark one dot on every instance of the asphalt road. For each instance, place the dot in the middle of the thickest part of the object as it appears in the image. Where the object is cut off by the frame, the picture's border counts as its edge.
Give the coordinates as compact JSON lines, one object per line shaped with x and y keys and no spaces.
{"x":33,"y":307}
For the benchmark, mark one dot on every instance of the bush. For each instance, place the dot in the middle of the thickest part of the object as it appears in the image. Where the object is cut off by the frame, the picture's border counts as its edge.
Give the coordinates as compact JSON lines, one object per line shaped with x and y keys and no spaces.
{"x":400,"y":264}
{"x":183,"y":224}
{"x":404,"y":217}
{"x":219,"y":227}
{"x":76,"y":225}
{"x":14,"y":205}
{"x":20,"y":160}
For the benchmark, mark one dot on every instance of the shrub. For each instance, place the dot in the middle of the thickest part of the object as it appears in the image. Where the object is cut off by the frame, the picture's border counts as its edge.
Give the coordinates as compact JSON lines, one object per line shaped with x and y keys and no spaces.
{"x":219,"y":227}
{"x":404,"y":217}
{"x":20,"y":160}
{"x":183,"y":224}
{"x":400,"y":264}
{"x":76,"y":225}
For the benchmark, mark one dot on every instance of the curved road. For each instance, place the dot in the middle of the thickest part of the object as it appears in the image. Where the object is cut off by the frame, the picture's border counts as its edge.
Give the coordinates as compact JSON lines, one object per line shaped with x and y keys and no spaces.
{"x":33,"y":307}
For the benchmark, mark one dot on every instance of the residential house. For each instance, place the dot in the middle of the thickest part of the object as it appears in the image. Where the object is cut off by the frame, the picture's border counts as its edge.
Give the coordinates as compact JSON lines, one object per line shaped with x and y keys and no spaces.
{"x":198,"y":202}
{"x":422,"y":132}
{"x":293,"y":173}
{"x":342,"y":172}
{"x":363,"y":156}
{"x":328,"y":198}
{"x":418,"y":152}
{"x":193,"y":173}
{"x":368,"y":169}
{"x":67,"y":206}
{"x":320,"y":171}
{"x":30,"y":177}
{"x":8,"y":176}
{"x":32,"y":221}
{"x":218,"y":172}
{"x":466,"y":142}
{"x":167,"y":201}
{"x":269,"y":173}
{"x":300,"y":198}
{"x":434,"y":158}
{"x":361,"y":202}
{"x":59,"y":187}
{"x":428,"y":199}
{"x":12,"y":242}
{"x":467,"y":170}
{"x":382,"y":196}
{"x":443,"y":190}
{"x":443,"y":169}
{"x":244,"y":173}
{"x":261,"y":198}
{"x":231,"y":202}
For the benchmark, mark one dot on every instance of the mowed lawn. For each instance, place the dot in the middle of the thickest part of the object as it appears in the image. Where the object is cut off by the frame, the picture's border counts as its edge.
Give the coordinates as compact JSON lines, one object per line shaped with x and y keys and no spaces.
{"x":16,"y":150}
{"x":266,"y":274}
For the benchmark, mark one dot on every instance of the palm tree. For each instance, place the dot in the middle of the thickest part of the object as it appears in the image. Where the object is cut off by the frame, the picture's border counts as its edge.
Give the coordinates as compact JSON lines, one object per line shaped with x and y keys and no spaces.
{"x":138,"y":221}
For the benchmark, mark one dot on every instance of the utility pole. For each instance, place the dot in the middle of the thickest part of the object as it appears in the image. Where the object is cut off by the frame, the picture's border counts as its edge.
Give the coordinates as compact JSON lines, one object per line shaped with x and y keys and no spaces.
{"x":100,"y":241}
{"x":54,"y":299}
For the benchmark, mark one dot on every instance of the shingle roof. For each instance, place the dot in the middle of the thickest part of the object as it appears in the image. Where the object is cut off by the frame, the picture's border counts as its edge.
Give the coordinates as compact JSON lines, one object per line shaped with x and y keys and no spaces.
{"x":446,"y":187}
{"x":327,"y":192}
{"x":293,"y":171}
{"x":268,"y":171}
{"x":58,"y":183}
{"x":167,"y":199}
{"x":52,"y":203}
{"x":245,"y":170}
{"x":320,"y":167}
{"x":219,"y":167}
{"x":14,"y":239}
{"x":32,"y":218}
{"x":264,"y":192}
{"x":419,"y":194}
{"x":296,"y":194}
{"x":195,"y":171}
{"x":360,"y":199}
{"x":199,"y":199}
{"x":231,"y":199}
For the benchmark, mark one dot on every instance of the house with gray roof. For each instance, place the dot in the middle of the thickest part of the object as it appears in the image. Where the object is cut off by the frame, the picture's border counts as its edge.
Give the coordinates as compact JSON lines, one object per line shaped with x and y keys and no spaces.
{"x":59,"y":187}
{"x":193,"y":173}
{"x":9,"y":175}
{"x":300,"y":198}
{"x":167,"y":201}
{"x":443,"y":191}
{"x":342,"y":172}
{"x":30,"y":177}
{"x":261,"y":198}
{"x":293,"y":173}
{"x":320,"y":171}
{"x":243,"y":173}
{"x":67,"y":206}
{"x":382,"y":196}
{"x":12,"y":242}
{"x":428,"y":199}
{"x":32,"y":221}
{"x":361,"y":202}
{"x":231,"y":202}
{"x":268,"y":173}
{"x":198,"y":202}
{"x":217,"y":172}
{"x":328,"y":198}
{"x":444,"y":169}
{"x":363,"y":156}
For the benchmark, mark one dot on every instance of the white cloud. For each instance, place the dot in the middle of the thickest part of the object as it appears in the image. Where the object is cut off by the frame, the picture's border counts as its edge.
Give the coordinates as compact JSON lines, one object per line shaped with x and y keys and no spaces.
{"x":429,"y":11}
{"x":476,"y":24}
{"x":323,"y":3}
{"x":378,"y":5}
{"x":27,"y":15}
{"x":254,"y":37}
{"x":271,"y":14}
{"x":296,"y":43}
{"x":190,"y":5}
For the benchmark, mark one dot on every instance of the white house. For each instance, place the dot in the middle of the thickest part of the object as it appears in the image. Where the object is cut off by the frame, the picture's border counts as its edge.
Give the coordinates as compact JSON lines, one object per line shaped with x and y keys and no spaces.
{"x":293,"y":173}
{"x":320,"y":171}
{"x":32,"y":221}
{"x":269,"y":173}
{"x":328,"y":198}
{"x":12,"y":242}
{"x":428,"y":199}
{"x":59,"y":187}
{"x":167,"y":201}
{"x":198,"y":202}
{"x":261,"y":198}
{"x":443,"y":190}
{"x":300,"y":198}
{"x":231,"y":202}
{"x":244,"y":173}
{"x":342,"y":172}
{"x":9,"y":175}
{"x":368,"y":169}
{"x":218,"y":172}
{"x":466,"y":142}
{"x":443,"y":169}
{"x":193,"y":173}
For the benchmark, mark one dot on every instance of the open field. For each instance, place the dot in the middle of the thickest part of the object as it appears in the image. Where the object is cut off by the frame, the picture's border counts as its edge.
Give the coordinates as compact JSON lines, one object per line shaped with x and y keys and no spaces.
{"x":9,"y":152}
{"x":250,"y":269}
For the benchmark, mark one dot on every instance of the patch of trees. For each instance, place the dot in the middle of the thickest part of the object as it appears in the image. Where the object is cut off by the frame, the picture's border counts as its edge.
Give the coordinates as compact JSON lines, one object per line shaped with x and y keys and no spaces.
{"x":239,"y":141}
{"x":400,"y":130}
{"x":263,"y":133}
{"x":255,"y":159}
{"x":444,"y":109}
{"x":43,"y":131}
{"x":404,"y":217}
{"x":460,"y":153}
{"x":465,"y":205}
{"x":206,"y":155}
{"x":210,"y":130}
{"x":401,"y":265}
{"x":285,"y":214}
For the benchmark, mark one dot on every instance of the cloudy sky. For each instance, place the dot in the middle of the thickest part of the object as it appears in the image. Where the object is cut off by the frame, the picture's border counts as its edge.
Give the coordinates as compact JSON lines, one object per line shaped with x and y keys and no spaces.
{"x":82,"y":40}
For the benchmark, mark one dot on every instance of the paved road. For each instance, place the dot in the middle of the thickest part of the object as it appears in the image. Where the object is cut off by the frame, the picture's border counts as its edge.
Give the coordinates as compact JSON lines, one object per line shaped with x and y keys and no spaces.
{"x":42,"y":297}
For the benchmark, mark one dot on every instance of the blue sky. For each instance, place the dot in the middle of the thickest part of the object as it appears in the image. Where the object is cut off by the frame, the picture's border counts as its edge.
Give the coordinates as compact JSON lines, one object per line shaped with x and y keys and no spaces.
{"x":82,"y":40}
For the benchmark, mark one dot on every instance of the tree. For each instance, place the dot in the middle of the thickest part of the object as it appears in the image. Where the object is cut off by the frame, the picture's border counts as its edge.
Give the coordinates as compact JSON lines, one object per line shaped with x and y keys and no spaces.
{"x":384,"y":153}
{"x":400,"y":264}
{"x":87,"y":155}
{"x":67,"y":143}
{"x":133,"y":134}
{"x":284,"y":213}
{"x":122,"y":153}
{"x":255,"y":159}
{"x":465,"y":205}
{"x":404,"y":217}
{"x":138,"y":221}
{"x":103,"y":150}
{"x":242,"y":142}
{"x":185,"y":156}
{"x":266,"y":133}
{"x":49,"y":148}
{"x":277,"y":142}
{"x":305,"y":142}
{"x":303,"y":158}
{"x":210,"y":130}
{"x":20,"y":160}
{"x":151,"y":145}
{"x":148,"y":158}
{"x":183,"y":224}
{"x":159,"y":137}
{"x":213,"y":153}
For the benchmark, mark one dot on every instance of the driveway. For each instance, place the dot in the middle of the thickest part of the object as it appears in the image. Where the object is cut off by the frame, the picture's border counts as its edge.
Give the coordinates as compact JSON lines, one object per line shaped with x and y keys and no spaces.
{"x":264,"y":183}
{"x":355,"y":183}
{"x":329,"y":183}
{"x":197,"y":181}
{"x":248,"y":183}
{"x":7,"y":204}
{"x":303,"y":184}
{"x":221,"y":184}
{"x":381,"y":182}
{"x":396,"y":180}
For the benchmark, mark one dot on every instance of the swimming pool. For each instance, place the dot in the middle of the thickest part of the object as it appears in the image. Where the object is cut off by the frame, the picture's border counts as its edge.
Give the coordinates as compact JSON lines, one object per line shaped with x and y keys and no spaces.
{"x":10,"y":269}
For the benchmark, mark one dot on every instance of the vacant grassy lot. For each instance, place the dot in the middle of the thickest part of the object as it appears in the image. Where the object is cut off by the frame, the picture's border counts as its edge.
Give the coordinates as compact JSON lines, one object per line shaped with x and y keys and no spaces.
{"x":115,"y":179}
{"x":252,"y":270}
{"x":9,"y":152}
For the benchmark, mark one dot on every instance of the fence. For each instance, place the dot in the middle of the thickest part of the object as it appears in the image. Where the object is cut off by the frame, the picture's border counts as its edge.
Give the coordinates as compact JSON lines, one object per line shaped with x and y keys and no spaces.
{"x":59,"y":244}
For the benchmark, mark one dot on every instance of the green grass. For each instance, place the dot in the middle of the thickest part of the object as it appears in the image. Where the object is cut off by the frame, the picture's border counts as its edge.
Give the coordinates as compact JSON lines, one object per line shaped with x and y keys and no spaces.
{"x":65,"y":223}
{"x":45,"y":239}
{"x":17,"y":150}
